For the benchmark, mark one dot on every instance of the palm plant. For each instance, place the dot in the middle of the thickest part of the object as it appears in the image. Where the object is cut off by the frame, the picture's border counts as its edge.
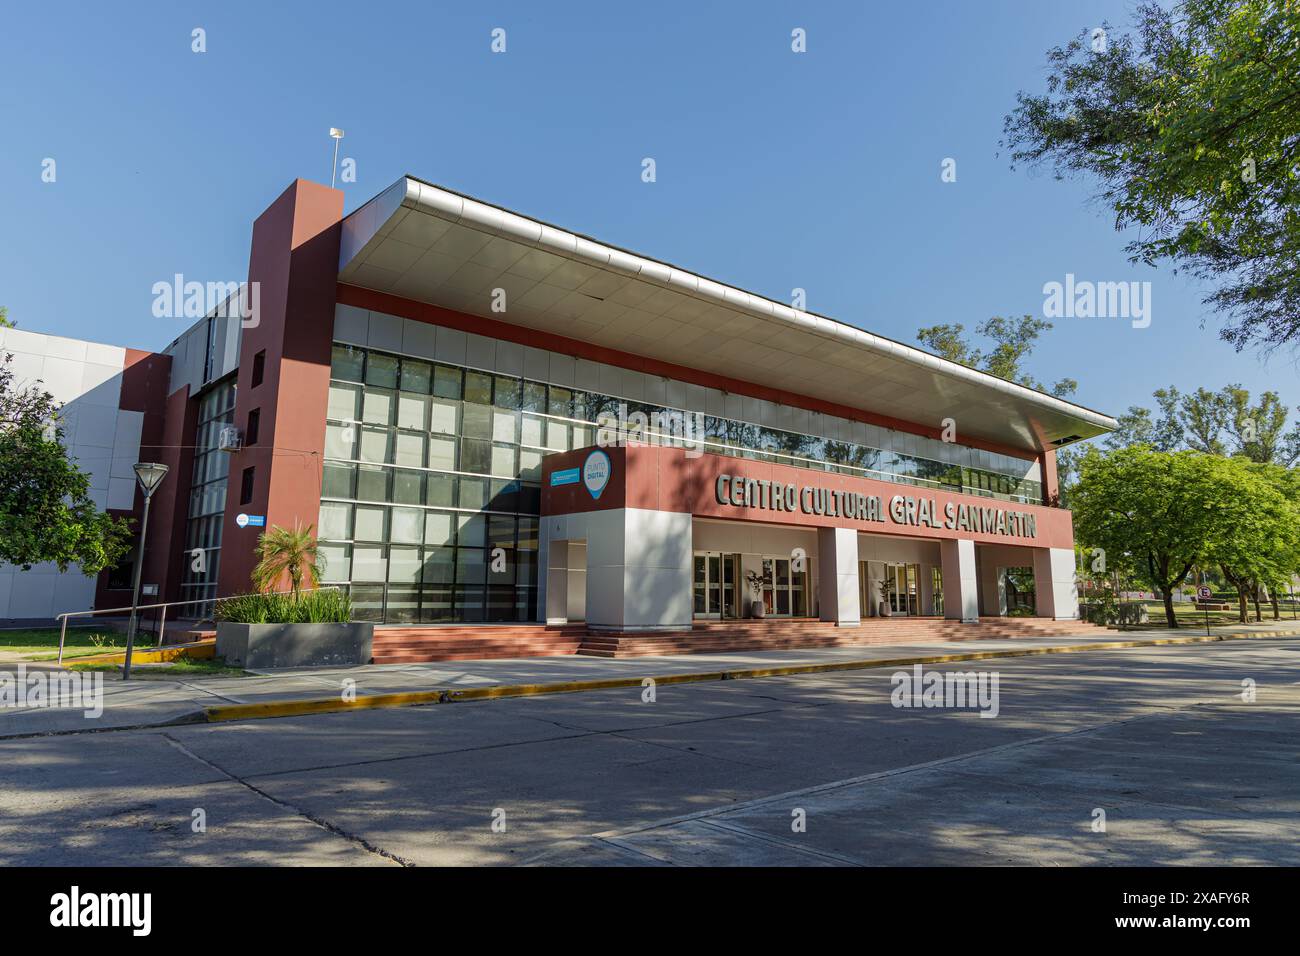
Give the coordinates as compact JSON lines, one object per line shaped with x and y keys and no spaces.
{"x":283,"y":551}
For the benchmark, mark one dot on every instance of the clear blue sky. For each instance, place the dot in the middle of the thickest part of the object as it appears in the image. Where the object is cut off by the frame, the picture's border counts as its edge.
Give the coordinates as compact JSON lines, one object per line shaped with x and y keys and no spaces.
{"x":775,"y":170}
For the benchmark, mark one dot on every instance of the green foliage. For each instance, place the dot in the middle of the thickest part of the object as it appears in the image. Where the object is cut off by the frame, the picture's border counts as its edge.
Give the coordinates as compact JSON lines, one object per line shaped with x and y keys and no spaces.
{"x":1190,"y":127}
{"x":45,"y":509}
{"x":1225,"y":422}
{"x":291,"y":551}
{"x":1158,"y":514}
{"x":5,"y":322}
{"x":330,"y":606}
{"x":1013,"y":343}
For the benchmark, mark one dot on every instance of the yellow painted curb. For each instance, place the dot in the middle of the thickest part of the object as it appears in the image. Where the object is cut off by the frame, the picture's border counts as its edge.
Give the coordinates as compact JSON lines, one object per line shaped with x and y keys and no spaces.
{"x":327,"y":705}
{"x":200,"y":650}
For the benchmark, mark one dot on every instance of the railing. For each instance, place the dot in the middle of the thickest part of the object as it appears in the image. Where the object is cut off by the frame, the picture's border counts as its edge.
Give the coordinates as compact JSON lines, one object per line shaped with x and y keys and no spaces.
{"x":161,"y":608}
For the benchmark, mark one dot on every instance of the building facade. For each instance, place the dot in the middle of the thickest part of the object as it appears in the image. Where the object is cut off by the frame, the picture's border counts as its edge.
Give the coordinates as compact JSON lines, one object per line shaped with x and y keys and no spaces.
{"x":487,"y":418}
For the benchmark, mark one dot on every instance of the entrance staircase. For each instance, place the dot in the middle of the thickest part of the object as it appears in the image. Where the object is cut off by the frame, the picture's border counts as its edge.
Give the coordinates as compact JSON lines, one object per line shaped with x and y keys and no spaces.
{"x":402,"y":645}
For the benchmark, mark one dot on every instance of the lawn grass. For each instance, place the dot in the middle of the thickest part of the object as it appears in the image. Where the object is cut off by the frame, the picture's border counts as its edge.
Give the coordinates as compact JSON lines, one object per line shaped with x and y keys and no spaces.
{"x":210,"y":667}
{"x":1188,"y":616}
{"x":42,"y":643}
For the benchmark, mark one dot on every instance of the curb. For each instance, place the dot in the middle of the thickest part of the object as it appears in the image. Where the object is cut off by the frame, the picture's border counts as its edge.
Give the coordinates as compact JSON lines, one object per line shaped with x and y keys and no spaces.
{"x":199,"y":650}
{"x":327,"y":705}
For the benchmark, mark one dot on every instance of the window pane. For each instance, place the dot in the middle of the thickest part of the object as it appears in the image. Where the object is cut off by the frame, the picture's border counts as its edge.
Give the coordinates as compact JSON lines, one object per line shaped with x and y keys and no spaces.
{"x":335,"y":561}
{"x":501,"y":531}
{"x":507,"y":392}
{"x":476,"y":421}
{"x":470,"y":566}
{"x":442,"y":416}
{"x":367,"y":602}
{"x":442,"y":453}
{"x":406,"y":526}
{"x":473,"y":493}
{"x":372,"y":483}
{"x":376,"y":444}
{"x":378,"y":406}
{"x":505,"y":426}
{"x":335,"y":521}
{"x":408,"y":487}
{"x":504,"y":496}
{"x":528,"y":533}
{"x":446,"y":382}
{"x":557,"y":436}
{"x":338,"y":480}
{"x":532,"y":431}
{"x":370,"y":523}
{"x":559,"y":401}
{"x":412,"y":411}
{"x":478,"y":387}
{"x":345,"y":402}
{"x":439,"y":565}
{"x":503,"y":461}
{"x":470,"y":530}
{"x":530,"y":464}
{"x":410,"y":448}
{"x":381,"y":370}
{"x":439,"y":528}
{"x":435,"y":604}
{"x":404,"y":565}
{"x":417,"y":376}
{"x":440,"y":490}
{"x":340,"y":441}
{"x":475,"y":456}
{"x":534,"y":397}
{"x":368,"y":563}
{"x":346,"y":363}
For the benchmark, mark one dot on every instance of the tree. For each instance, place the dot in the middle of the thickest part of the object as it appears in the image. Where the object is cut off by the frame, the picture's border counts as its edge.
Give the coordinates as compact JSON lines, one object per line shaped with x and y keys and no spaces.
{"x":282,"y":551}
{"x":1013,"y":343}
{"x":5,"y":323}
{"x":1263,"y":550}
{"x":1160,"y":512}
{"x":1225,"y":422}
{"x":1190,"y":126}
{"x":46,"y":513}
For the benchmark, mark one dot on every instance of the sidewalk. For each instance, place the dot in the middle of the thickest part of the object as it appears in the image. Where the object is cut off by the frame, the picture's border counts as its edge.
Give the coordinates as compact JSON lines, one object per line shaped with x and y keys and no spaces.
{"x":153,"y":702}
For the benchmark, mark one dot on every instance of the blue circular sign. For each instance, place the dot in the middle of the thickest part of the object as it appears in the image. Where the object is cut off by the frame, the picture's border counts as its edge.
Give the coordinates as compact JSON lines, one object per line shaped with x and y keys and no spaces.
{"x":595,"y":472}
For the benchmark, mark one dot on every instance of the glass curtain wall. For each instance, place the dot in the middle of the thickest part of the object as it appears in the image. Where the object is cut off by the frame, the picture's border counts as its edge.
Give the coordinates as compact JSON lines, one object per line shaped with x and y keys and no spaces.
{"x":431,"y":483}
{"x":207,"y":497}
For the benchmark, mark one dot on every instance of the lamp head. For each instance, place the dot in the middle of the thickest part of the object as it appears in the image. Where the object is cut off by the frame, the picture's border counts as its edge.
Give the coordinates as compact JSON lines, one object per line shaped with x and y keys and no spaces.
{"x":150,"y":475}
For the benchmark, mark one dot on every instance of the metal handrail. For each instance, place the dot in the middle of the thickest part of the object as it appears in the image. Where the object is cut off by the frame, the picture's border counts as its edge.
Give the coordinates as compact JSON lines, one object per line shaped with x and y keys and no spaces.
{"x":162,"y":624}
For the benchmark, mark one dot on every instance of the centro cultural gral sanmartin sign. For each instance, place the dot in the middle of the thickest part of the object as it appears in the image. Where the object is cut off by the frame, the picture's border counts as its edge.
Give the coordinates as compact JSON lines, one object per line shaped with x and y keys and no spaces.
{"x":918,"y":511}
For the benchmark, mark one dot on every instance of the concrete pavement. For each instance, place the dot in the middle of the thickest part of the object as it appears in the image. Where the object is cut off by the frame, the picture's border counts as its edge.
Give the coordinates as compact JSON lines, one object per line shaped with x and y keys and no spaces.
{"x":1159,"y":738}
{"x":161,"y":702}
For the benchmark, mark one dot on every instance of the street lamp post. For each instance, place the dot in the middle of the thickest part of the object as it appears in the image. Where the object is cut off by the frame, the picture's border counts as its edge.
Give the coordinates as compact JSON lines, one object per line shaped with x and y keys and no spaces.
{"x":149,"y":475}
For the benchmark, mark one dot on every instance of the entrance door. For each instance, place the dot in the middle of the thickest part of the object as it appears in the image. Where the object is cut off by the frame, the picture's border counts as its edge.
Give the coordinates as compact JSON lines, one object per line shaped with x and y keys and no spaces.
{"x":714,"y":584}
{"x":905,"y":596}
{"x":785,"y":590}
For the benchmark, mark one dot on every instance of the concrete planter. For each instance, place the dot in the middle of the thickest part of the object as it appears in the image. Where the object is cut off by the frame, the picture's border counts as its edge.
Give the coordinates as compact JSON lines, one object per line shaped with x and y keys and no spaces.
{"x":295,"y":645}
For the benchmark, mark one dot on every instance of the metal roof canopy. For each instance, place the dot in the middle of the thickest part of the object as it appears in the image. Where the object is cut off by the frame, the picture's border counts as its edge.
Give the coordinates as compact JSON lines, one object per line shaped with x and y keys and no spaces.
{"x":430,"y":244}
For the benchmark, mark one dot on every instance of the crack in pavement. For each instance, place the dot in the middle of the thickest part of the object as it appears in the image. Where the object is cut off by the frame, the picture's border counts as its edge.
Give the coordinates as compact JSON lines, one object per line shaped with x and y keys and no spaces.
{"x":285,"y":805}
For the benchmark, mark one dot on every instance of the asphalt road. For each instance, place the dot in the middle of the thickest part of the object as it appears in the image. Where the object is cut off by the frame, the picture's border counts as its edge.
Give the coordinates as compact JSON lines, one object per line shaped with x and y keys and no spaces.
{"x":1160,"y":739}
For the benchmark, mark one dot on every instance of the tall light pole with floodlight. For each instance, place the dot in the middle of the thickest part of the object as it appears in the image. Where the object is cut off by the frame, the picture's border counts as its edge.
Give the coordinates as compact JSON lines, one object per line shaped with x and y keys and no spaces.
{"x":336,"y":134}
{"x":150,"y":475}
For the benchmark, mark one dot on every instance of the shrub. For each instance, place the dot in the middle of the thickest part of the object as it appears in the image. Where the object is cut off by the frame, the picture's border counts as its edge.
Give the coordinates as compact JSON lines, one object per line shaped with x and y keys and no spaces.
{"x":330,"y":606}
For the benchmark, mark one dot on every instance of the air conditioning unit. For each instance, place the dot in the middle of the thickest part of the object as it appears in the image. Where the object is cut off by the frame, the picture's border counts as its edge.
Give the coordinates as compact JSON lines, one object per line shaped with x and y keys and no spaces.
{"x":229,"y":438}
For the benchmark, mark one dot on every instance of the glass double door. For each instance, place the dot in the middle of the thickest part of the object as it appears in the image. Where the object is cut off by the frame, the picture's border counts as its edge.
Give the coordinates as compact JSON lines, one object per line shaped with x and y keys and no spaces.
{"x":714,"y":578}
{"x":905,"y":596}
{"x":785,"y":588}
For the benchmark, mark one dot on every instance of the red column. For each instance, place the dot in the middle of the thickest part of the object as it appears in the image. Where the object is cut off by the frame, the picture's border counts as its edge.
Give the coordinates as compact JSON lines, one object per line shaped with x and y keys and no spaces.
{"x":294,"y":260}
